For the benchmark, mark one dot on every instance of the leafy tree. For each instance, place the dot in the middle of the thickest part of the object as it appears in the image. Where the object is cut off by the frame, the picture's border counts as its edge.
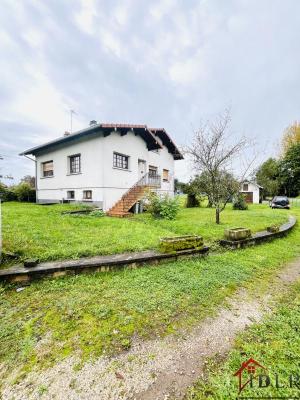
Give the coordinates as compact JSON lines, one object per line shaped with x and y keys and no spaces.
{"x":24,"y":192}
{"x":268,"y":176}
{"x":7,"y":193}
{"x":193,"y":193}
{"x":290,"y":137}
{"x":290,"y":171}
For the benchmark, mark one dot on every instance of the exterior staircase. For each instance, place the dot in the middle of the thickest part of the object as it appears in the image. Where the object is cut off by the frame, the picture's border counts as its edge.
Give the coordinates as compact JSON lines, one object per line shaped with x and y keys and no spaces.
{"x":133,"y":195}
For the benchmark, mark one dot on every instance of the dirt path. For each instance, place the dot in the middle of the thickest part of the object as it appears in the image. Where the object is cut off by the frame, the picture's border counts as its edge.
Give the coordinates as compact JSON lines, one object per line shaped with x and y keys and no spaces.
{"x":159,"y":369}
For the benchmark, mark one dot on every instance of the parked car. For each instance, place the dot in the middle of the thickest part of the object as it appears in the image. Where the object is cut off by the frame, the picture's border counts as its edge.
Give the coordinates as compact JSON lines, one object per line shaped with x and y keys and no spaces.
{"x":280,"y":202}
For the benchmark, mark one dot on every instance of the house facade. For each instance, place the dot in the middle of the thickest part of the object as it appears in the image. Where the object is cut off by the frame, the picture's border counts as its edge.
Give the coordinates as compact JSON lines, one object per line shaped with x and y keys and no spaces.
{"x":251,"y":191}
{"x":100,"y":164}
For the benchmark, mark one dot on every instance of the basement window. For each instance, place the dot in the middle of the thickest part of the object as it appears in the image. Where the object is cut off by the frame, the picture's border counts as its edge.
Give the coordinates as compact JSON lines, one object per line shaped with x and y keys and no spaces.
{"x":71,"y":194}
{"x":120,"y":161}
{"x":47,"y":169}
{"x":87,"y":195}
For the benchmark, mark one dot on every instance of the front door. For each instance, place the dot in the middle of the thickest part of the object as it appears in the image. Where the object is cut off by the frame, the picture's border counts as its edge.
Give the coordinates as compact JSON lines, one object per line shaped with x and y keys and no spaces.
{"x":141,"y":168}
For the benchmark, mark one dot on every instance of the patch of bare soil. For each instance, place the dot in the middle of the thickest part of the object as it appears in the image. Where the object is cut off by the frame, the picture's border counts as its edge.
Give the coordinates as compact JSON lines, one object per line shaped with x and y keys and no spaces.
{"x":154,"y":370}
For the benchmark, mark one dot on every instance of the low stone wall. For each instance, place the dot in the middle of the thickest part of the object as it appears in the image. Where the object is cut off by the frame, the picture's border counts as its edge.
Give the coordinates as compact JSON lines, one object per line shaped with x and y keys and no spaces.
{"x":93,"y":264}
{"x":179,"y":243}
{"x":260,"y":237}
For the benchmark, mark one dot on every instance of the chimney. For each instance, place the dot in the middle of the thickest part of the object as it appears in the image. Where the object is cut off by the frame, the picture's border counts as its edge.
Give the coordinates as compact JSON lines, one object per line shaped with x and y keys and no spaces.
{"x":67,"y":133}
{"x":93,"y":122}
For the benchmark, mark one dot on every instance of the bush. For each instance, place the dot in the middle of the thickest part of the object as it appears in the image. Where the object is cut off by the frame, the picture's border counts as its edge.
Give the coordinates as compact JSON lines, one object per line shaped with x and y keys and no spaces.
{"x":239,"y":203}
{"x":97,"y":213}
{"x":163,"y":207}
{"x":6,"y":193}
{"x":24,"y":192}
{"x":192,"y":201}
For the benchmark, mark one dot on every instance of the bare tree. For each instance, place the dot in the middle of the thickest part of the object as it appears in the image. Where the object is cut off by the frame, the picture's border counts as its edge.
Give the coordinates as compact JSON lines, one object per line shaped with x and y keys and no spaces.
{"x":213,"y":154}
{"x":29,"y":179}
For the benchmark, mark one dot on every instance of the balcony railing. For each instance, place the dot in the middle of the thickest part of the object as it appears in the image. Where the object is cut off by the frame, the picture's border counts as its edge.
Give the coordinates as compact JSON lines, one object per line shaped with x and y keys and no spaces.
{"x":150,"y":179}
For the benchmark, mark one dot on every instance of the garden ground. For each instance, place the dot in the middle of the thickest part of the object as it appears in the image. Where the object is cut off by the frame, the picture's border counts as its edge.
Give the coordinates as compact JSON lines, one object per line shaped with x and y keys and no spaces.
{"x":31,"y":230}
{"x":88,"y":316}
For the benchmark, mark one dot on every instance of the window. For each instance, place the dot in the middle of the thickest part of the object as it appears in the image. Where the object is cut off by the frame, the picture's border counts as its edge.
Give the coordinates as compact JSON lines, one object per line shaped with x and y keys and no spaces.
{"x":245,"y":187}
{"x":165,"y":175}
{"x":87,"y":195}
{"x":121,"y":161}
{"x":71,"y":194}
{"x":47,"y":168}
{"x":75,"y":164}
{"x":152,"y":170}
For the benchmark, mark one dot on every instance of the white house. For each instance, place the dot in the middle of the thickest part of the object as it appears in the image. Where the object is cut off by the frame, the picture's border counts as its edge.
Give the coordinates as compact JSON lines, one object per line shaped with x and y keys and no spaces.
{"x":252,"y":192}
{"x":108,"y":165}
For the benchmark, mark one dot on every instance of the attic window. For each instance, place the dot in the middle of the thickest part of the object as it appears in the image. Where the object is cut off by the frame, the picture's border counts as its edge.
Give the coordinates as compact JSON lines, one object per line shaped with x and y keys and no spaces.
{"x":245,"y":187}
{"x":47,"y":169}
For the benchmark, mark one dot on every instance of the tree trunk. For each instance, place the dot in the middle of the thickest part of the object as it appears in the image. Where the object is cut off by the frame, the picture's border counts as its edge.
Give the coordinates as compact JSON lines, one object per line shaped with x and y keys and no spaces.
{"x":217,"y":215}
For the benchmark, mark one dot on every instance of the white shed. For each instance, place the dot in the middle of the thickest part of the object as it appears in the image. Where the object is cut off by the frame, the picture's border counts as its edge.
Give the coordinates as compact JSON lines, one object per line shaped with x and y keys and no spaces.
{"x":252,"y":192}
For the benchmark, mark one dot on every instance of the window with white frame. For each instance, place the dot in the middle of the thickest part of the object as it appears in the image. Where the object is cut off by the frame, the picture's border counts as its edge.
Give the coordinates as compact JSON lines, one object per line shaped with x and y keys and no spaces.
{"x":165,"y":175}
{"x":75,"y":164}
{"x":120,"y":161}
{"x":47,"y":169}
{"x":87,"y":195}
{"x":245,"y":187}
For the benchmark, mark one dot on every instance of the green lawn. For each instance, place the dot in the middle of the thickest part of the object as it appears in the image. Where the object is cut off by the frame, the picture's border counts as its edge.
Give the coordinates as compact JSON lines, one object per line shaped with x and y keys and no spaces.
{"x":274,"y":344}
{"x":91,"y":314}
{"x":32,"y":230}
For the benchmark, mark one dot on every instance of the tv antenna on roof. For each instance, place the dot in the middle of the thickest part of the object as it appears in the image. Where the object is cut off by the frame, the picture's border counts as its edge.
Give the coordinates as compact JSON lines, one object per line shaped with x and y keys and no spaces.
{"x":71,"y":118}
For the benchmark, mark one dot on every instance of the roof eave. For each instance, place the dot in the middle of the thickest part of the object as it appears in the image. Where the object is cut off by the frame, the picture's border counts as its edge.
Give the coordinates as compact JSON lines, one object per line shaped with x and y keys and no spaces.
{"x":64,"y":139}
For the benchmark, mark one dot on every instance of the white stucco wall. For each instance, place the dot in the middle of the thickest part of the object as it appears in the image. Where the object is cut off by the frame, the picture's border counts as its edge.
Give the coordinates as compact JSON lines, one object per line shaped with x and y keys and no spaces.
{"x":107,"y":183}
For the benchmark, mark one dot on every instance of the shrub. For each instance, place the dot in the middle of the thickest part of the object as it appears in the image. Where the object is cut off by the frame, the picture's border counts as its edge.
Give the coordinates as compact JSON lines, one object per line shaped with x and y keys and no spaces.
{"x":97,"y":213}
{"x":6,"y":193}
{"x":192,"y":201}
{"x":24,"y":192}
{"x":239,"y":203}
{"x":163,"y":207}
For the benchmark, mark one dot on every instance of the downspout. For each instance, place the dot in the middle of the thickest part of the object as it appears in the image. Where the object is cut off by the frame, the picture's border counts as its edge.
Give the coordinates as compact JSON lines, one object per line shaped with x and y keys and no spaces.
{"x":35,"y":181}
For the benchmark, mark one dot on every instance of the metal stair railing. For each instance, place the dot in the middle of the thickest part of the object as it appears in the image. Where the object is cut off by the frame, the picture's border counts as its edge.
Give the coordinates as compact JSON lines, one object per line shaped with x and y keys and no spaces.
{"x":149,"y":179}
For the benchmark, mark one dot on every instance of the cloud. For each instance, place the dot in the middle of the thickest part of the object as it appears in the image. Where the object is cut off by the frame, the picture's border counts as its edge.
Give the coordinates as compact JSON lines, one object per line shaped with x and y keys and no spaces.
{"x":85,"y":17}
{"x":163,"y":63}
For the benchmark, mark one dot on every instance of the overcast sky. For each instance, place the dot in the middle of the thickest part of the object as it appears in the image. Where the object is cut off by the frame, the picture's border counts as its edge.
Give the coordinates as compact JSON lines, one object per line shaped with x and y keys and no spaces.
{"x":162,"y":63}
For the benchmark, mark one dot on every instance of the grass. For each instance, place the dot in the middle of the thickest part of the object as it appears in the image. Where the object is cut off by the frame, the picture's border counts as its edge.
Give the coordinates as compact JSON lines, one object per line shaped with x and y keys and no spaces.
{"x":31,"y":230}
{"x":274,"y":344}
{"x":89,"y":315}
